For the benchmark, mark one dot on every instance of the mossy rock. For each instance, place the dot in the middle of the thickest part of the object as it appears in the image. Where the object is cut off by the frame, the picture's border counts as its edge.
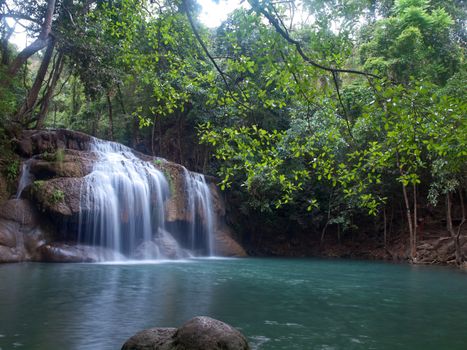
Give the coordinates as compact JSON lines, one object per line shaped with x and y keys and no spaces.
{"x":60,"y":196}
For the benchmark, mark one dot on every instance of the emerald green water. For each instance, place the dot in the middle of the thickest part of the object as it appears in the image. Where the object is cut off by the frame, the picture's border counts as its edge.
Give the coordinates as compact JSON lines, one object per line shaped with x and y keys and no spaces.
{"x":276,"y":303}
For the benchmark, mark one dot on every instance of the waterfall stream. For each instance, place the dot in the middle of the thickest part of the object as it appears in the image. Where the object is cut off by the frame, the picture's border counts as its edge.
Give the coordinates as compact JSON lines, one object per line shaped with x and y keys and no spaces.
{"x":123,"y":208}
{"x":25,"y":178}
{"x":201,"y":212}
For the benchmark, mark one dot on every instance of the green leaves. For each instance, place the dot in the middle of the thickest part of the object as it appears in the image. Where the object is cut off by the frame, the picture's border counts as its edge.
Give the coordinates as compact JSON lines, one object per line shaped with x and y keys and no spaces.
{"x":415,"y":41}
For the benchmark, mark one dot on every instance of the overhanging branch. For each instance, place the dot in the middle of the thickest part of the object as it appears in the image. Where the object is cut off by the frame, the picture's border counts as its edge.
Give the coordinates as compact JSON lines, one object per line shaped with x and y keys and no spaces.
{"x":258,"y":8}
{"x":211,"y":58}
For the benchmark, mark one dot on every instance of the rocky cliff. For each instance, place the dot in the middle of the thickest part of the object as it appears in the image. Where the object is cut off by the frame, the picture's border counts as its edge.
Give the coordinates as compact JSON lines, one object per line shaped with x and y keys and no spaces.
{"x":42,"y":225}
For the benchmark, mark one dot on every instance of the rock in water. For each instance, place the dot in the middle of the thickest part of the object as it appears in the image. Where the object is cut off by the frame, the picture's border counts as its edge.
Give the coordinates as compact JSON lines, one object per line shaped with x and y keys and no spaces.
{"x":151,"y":339}
{"x":199,"y":333}
{"x":205,"y":333}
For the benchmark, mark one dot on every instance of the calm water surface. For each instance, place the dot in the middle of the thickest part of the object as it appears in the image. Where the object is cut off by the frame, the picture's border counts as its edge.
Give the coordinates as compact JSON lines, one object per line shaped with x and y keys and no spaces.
{"x":276,"y":303}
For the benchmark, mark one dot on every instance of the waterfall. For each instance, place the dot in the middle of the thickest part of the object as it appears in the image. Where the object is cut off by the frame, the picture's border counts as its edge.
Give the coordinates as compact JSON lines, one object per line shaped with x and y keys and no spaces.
{"x":122,"y":209}
{"x":201,"y":212}
{"x":122,"y":202}
{"x":25,"y":178}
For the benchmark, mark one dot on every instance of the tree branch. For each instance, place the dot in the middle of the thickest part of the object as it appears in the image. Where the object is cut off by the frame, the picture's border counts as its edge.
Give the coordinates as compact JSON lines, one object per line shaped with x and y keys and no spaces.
{"x":19,"y":16}
{"x":276,"y":24}
{"x":41,"y":41}
{"x":208,"y":54}
{"x":339,"y":97}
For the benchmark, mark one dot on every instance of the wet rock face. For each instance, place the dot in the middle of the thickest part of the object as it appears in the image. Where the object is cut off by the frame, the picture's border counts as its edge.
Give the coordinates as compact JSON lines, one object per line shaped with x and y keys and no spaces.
{"x":199,"y":333}
{"x":224,"y":245}
{"x":176,"y":207}
{"x":21,"y":211}
{"x":20,"y":235}
{"x":62,"y":163}
{"x":32,"y":142}
{"x":60,"y":197}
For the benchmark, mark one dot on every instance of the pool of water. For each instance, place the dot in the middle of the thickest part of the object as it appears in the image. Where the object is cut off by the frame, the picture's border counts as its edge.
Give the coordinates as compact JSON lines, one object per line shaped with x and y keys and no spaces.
{"x":276,"y":303}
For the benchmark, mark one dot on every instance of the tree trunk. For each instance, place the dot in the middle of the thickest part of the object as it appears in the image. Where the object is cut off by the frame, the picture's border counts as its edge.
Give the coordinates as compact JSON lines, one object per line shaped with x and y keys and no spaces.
{"x":450,"y":228}
{"x":31,"y":99}
{"x":459,"y":228}
{"x":95,"y":124}
{"x":41,"y":42}
{"x":135,"y":131}
{"x":205,"y":159}
{"x":153,"y":132}
{"x":415,"y":223}
{"x":391,"y":219}
{"x":50,"y":89}
{"x":409,"y":218}
{"x":5,"y":50}
{"x":74,"y":101}
{"x":159,"y":134}
{"x":111,"y":122}
{"x":339,"y":234}
{"x":179,"y":137}
{"x":55,"y":116}
{"x":323,"y":232}
{"x":385,"y":228}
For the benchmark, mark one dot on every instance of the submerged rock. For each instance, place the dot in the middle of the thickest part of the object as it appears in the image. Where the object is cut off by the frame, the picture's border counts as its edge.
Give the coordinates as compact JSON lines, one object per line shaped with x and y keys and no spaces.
{"x":199,"y":333}
{"x":163,"y":246}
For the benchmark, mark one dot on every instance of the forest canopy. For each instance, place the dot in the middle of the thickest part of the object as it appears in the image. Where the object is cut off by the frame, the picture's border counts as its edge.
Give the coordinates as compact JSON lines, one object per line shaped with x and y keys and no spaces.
{"x":317,"y":111}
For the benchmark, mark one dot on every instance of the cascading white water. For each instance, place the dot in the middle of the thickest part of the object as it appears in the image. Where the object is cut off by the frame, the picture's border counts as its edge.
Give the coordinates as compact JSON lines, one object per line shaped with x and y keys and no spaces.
{"x":122,"y":202}
{"x":25,"y":178}
{"x":201,"y":211}
{"x":123,"y":208}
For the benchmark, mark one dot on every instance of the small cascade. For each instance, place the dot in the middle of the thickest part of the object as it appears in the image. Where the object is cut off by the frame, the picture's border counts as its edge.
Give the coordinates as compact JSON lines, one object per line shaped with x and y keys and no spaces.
{"x":25,"y":179}
{"x":122,"y":202}
{"x":201,"y":211}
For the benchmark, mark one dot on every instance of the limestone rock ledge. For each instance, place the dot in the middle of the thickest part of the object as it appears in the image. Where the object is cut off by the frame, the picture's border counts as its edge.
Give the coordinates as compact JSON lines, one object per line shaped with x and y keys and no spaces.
{"x":199,"y":333}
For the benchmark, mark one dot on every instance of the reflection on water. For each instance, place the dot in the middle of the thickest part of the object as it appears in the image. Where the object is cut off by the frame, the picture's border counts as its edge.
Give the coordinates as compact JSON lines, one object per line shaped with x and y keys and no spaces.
{"x":277,"y":304}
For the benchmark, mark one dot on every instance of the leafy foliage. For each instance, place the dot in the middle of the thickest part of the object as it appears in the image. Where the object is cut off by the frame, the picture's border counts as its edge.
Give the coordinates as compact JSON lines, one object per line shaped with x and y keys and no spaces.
{"x":251,"y":102}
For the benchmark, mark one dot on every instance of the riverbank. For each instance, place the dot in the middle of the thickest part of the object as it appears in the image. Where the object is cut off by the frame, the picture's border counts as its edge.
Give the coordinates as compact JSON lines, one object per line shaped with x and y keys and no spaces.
{"x":435,"y":247}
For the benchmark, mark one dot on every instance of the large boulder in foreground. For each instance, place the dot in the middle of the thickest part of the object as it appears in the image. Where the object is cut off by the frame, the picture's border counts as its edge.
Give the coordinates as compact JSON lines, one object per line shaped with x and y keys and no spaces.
{"x":199,"y":333}
{"x":151,"y":339}
{"x":205,"y":333}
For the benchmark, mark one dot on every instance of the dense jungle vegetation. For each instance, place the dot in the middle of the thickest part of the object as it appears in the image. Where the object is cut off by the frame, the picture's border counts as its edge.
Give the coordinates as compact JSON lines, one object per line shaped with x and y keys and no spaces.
{"x":325,"y":117}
